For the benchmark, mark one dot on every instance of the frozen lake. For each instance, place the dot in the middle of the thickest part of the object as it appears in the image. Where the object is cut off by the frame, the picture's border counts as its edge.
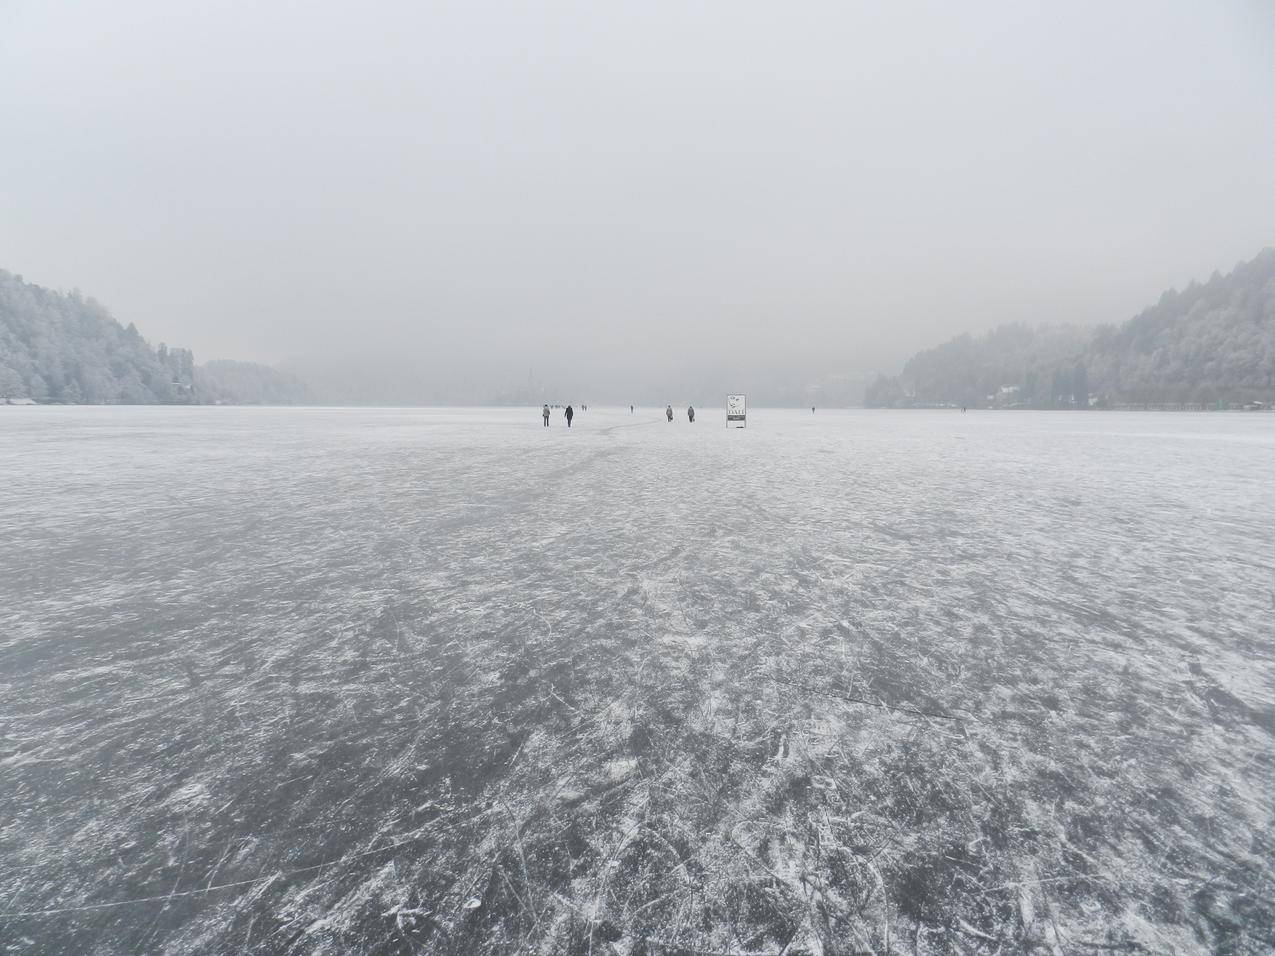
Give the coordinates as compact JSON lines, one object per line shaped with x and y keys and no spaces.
{"x":405,"y":680}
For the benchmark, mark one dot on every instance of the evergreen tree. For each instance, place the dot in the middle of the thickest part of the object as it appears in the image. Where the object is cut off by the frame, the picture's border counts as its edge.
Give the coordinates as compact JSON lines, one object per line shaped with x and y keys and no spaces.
{"x":1080,"y":385}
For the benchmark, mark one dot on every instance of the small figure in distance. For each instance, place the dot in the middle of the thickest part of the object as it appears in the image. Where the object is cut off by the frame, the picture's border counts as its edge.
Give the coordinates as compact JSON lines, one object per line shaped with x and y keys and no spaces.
{"x":690,"y":413}
{"x":630,"y":409}
{"x":545,"y":415}
{"x":669,"y":412}
{"x":570,"y":413}
{"x":812,"y":409}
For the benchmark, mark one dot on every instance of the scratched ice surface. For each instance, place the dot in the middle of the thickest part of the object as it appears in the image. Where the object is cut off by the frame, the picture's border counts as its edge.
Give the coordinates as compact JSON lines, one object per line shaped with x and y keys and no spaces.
{"x":399,"y":681}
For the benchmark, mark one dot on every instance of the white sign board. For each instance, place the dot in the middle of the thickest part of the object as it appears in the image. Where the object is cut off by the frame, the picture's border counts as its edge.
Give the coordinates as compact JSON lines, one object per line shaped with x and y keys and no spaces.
{"x":736,"y":411}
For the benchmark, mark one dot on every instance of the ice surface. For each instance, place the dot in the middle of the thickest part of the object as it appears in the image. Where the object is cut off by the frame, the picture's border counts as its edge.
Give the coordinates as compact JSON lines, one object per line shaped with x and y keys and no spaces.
{"x":331,"y":680}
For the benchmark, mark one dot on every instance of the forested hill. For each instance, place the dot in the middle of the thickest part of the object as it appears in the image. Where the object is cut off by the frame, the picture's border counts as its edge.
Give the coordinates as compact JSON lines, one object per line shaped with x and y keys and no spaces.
{"x":62,"y":347}
{"x":247,"y":383}
{"x":1211,"y":344}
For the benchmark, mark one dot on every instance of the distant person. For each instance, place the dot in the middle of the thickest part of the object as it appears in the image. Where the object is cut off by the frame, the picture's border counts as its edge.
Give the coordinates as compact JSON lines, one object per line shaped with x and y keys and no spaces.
{"x":812,"y":409}
{"x":630,"y":409}
{"x":570,"y":413}
{"x":669,"y":412}
{"x":545,"y":414}
{"x":690,"y":413}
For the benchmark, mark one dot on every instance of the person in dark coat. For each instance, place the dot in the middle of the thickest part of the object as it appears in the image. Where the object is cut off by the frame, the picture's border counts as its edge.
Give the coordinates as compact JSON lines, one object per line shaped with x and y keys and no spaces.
{"x":690,"y":413}
{"x":545,"y":415}
{"x":669,"y":412}
{"x":570,"y":413}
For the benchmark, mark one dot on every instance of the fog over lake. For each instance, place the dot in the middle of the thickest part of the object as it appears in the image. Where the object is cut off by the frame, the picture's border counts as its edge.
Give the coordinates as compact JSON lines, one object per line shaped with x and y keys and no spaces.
{"x":422,"y":203}
{"x":348,"y":605}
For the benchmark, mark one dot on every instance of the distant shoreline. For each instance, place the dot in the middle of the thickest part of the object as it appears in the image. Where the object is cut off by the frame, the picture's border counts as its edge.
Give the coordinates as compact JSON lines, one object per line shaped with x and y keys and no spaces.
{"x":1157,"y":407}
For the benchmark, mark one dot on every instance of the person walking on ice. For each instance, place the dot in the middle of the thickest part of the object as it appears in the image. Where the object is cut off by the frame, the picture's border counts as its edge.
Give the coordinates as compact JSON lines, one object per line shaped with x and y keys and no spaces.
{"x":570,"y":413}
{"x":545,"y":415}
{"x":690,"y":413}
{"x":669,"y":412}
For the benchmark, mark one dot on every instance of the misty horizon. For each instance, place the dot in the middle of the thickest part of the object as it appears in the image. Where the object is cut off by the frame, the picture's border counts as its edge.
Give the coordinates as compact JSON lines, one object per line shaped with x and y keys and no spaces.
{"x":633,"y":198}
{"x":372,"y":586}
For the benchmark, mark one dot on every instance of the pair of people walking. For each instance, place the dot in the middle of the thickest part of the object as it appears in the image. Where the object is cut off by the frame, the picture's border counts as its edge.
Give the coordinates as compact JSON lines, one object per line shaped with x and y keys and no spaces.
{"x":690,"y":413}
{"x":570,"y":413}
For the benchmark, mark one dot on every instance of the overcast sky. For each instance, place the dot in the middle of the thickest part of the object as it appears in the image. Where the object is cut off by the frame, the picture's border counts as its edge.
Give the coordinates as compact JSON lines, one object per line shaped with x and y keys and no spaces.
{"x":624,"y":187}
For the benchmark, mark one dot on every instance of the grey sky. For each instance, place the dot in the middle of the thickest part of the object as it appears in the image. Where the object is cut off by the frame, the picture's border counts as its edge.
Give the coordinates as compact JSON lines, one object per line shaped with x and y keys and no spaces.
{"x":622,"y":189}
